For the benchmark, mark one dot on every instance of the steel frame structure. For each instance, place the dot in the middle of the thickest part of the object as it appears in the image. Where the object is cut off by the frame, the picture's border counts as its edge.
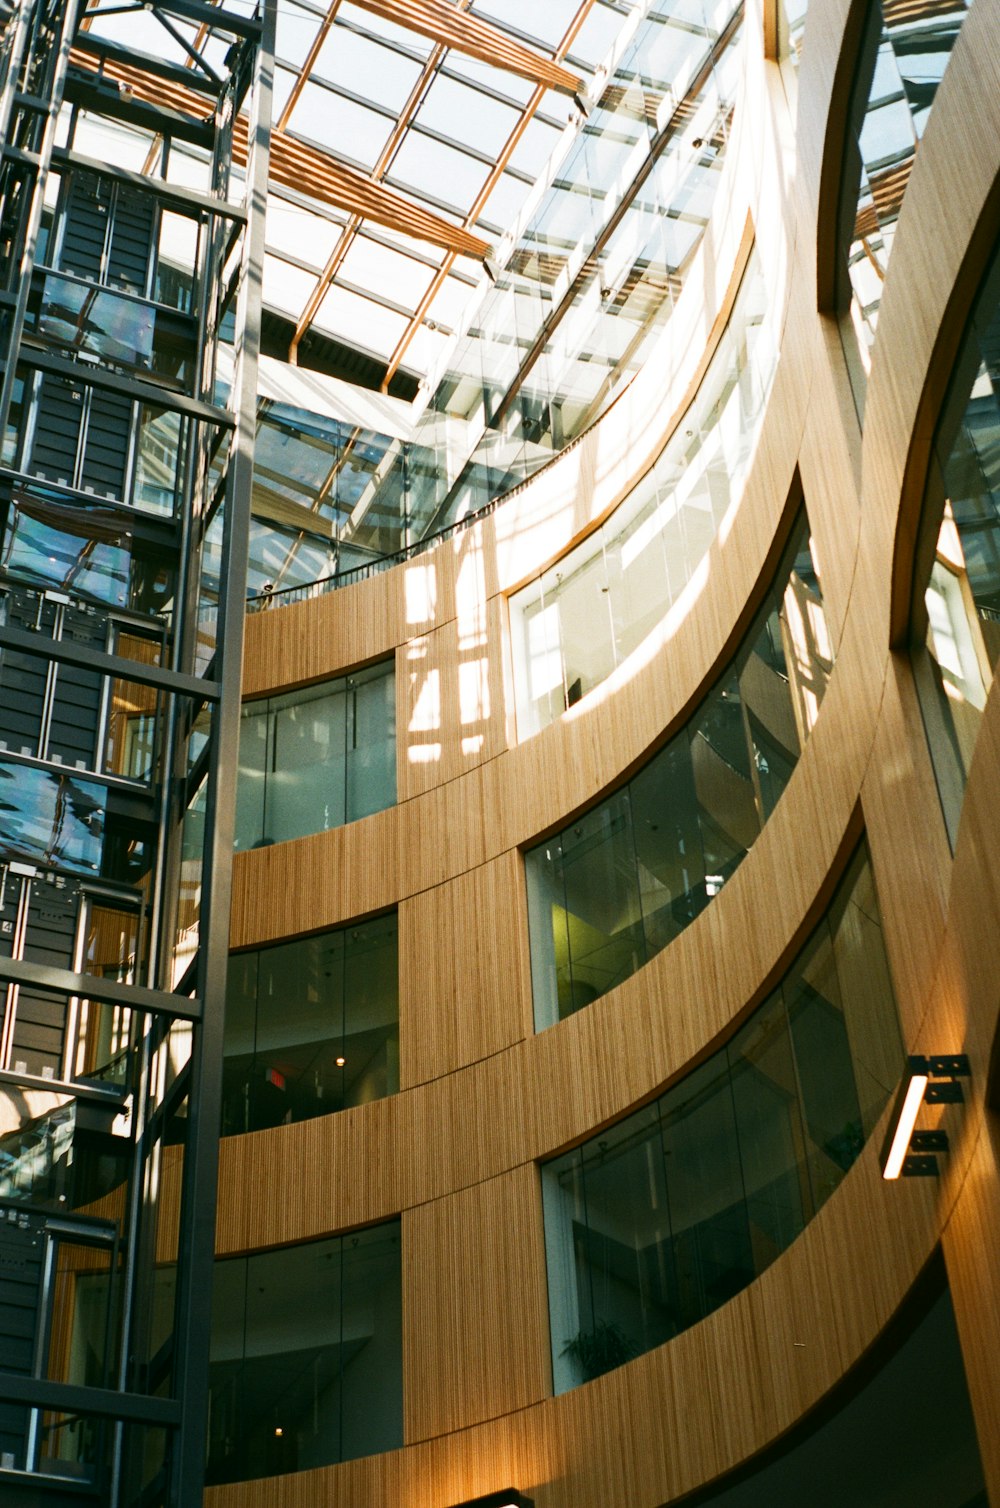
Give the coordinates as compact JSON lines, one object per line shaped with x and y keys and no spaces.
{"x":108,"y":1172}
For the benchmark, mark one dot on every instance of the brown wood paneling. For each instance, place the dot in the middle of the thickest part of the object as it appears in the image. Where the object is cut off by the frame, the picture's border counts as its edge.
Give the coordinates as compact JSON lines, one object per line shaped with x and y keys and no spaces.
{"x":460,"y":1253}
{"x":465,"y":984}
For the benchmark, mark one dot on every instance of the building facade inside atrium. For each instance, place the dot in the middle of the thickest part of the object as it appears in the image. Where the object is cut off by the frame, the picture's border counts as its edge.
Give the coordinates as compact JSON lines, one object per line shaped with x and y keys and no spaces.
{"x":499,"y":771}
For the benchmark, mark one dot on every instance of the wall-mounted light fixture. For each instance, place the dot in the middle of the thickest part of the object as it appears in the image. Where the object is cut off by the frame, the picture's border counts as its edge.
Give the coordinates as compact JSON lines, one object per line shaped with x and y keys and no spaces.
{"x":909,"y":1152}
{"x":508,"y":1498}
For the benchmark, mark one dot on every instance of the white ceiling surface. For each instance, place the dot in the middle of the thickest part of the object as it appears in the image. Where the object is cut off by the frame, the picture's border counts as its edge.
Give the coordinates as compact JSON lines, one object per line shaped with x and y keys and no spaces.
{"x":363,"y":75}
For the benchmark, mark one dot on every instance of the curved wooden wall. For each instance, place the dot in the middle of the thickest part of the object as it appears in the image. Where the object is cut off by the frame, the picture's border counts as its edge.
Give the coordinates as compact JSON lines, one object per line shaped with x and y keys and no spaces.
{"x":483,"y":1098}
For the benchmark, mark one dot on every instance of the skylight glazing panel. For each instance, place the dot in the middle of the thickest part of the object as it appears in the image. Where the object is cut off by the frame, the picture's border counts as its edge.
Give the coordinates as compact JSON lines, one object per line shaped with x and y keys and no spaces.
{"x":467,"y":115}
{"x":537,"y":143}
{"x":595,"y":38}
{"x":503,"y":205}
{"x":284,"y":81}
{"x":299,"y":233}
{"x":340,"y":126}
{"x":386,"y":272}
{"x":441,"y":174}
{"x":449,"y":304}
{"x":540,"y":26}
{"x":410,"y":41}
{"x":497,"y":80}
{"x":361,"y":323}
{"x":140,"y":31}
{"x":286,"y":288}
{"x":366,"y":67}
{"x":296,"y":32}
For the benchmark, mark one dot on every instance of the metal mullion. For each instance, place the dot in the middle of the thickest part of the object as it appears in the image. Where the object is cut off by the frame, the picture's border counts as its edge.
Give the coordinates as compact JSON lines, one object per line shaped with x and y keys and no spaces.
{"x":76,"y":1398}
{"x":174,"y":195}
{"x":171,"y":398}
{"x":52,"y":979}
{"x":48,"y":698}
{"x":34,"y":218}
{"x":196,"y":1248}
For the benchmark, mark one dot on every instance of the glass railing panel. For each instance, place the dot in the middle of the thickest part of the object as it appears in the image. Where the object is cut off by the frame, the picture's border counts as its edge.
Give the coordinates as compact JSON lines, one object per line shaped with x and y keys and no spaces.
{"x":315,"y":759}
{"x":307,"y":1364}
{"x":664,"y":1216}
{"x":622,"y":880}
{"x":587,"y":613}
{"x":312,"y":1026}
{"x":957,"y":622}
{"x":904,"y":54}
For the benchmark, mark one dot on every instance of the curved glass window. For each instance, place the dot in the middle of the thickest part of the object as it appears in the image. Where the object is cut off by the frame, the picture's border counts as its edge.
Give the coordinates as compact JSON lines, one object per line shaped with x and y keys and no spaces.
{"x":957,"y":620}
{"x":622,"y":880}
{"x":659,"y":1219}
{"x":317,"y":758}
{"x":904,"y":54}
{"x":312,"y":1026}
{"x":586,"y":614}
{"x":306,"y":1356}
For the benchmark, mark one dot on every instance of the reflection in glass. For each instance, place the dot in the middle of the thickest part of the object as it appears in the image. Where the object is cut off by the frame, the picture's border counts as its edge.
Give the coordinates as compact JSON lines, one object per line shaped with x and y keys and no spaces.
{"x":86,"y":318}
{"x":317,"y":758}
{"x":904,"y":54}
{"x":625,"y":878}
{"x":957,"y":624}
{"x":587,"y":613}
{"x":659,"y":1219}
{"x":51,"y":818}
{"x":312,"y":1026}
{"x":130,"y":739}
{"x":306,"y":1356}
{"x":86,"y":549}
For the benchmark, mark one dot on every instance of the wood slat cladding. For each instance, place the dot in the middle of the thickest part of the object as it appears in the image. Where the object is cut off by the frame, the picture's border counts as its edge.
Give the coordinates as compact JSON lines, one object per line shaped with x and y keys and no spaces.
{"x":470,"y":996}
{"x":477,"y":1243}
{"x":456,"y":1151}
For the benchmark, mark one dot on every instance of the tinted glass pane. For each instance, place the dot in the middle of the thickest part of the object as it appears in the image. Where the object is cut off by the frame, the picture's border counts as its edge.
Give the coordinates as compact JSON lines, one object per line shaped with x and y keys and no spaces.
{"x":371,"y":743}
{"x":312,"y":1026}
{"x":711,"y":1229}
{"x":662,"y":1217}
{"x":604,"y":924}
{"x":772,"y":1144}
{"x":668,"y":848}
{"x":958,"y":620}
{"x":306,"y":1356}
{"x":317,"y":758}
{"x":626,"y":877}
{"x":831,"y":1113}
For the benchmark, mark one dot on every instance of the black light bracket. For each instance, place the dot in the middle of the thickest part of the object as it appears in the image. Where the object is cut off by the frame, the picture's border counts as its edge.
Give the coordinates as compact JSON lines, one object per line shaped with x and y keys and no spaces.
{"x":933,"y":1080}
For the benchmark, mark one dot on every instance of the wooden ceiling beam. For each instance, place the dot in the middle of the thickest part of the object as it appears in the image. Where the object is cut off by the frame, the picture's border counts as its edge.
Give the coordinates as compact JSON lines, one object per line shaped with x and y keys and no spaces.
{"x":474,"y":37}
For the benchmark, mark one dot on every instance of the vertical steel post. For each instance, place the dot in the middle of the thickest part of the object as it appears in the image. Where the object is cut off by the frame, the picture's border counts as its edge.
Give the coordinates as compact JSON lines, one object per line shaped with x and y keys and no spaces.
{"x":196,"y":1256}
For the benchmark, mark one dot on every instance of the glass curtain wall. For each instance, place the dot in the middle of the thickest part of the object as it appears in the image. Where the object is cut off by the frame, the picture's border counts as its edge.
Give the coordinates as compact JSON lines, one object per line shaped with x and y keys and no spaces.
{"x":626,"y":877}
{"x":586,"y":614}
{"x":957,"y":618}
{"x":659,"y":1219}
{"x":317,"y":758}
{"x":307,"y":1356}
{"x":903,"y":57}
{"x":570,"y":319}
{"x":312,"y":1026}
